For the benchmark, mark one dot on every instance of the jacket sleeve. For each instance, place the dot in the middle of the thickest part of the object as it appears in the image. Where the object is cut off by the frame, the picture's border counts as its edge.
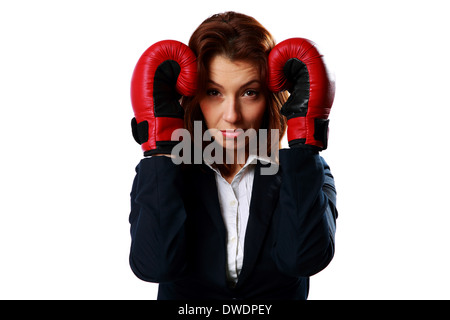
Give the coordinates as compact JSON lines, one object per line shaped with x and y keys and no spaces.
{"x":157,"y":221}
{"x":306,"y":215}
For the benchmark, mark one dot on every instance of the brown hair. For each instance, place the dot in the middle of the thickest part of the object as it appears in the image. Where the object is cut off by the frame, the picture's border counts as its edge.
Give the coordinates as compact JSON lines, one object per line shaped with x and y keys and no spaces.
{"x":238,"y":37}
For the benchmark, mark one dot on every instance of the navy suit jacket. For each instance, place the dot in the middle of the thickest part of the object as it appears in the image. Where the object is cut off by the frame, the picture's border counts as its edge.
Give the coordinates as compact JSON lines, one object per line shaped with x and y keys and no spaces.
{"x":179,"y":237}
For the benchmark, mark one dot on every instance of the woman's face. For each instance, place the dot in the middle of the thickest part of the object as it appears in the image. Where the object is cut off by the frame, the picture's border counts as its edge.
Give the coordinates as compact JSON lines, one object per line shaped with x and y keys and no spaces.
{"x":233,"y":100}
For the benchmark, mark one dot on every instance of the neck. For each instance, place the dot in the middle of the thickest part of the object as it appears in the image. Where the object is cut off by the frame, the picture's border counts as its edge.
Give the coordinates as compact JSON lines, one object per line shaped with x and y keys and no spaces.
{"x":233,"y":166}
{"x":230,"y":174}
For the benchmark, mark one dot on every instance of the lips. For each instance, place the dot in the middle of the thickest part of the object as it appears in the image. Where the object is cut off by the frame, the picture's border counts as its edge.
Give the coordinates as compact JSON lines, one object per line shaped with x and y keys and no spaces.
{"x":231,"y":134}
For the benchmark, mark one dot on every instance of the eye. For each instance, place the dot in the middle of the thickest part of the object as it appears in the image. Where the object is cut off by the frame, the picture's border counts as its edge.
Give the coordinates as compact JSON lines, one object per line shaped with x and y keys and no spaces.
{"x":212,"y":92}
{"x":251,"y":93}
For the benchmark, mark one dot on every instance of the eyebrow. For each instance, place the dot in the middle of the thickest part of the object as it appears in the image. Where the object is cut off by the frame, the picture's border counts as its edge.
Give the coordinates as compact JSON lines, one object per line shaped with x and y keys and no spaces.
{"x":244,"y":85}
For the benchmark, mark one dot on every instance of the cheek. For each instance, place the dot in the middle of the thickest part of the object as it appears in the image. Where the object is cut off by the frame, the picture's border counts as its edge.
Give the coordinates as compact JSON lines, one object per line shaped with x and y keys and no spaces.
{"x":255,"y":114}
{"x":208,"y":113}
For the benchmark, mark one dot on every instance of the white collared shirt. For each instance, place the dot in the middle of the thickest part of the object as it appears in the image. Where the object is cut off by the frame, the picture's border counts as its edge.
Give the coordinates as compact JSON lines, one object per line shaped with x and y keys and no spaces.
{"x":234,"y":202}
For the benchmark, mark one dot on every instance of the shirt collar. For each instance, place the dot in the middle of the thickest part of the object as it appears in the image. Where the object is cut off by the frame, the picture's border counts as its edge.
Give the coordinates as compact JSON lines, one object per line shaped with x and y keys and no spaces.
{"x":251,"y":160}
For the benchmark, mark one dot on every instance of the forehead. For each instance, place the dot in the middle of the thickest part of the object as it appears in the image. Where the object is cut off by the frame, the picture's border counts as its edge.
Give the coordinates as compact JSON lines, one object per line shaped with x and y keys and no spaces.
{"x":222,"y":68}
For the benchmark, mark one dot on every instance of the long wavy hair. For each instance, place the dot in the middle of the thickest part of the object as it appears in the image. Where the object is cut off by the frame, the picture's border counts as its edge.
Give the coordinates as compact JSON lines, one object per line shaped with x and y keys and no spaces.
{"x":238,"y":37}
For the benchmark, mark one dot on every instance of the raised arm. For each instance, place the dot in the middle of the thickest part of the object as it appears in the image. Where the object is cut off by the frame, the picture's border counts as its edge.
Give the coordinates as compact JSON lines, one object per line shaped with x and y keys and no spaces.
{"x":164,"y":72}
{"x":306,"y":216}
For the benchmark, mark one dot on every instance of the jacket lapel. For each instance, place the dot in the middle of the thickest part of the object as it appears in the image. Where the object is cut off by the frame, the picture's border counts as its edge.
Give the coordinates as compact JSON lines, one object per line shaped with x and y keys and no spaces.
{"x":206,"y":184}
{"x":264,"y":199}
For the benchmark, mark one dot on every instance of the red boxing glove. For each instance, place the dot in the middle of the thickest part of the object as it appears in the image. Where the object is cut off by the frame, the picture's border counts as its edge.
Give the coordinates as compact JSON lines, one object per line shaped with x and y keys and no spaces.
{"x":296,"y":65}
{"x":165,"y":71}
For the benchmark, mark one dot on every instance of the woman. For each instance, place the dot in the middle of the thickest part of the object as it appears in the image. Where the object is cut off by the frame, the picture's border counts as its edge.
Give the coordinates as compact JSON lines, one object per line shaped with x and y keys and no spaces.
{"x":223,"y":229}
{"x":233,"y":49}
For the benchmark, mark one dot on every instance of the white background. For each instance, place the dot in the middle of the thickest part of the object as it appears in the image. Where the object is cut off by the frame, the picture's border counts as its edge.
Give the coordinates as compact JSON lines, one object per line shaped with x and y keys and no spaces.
{"x":68,"y":156}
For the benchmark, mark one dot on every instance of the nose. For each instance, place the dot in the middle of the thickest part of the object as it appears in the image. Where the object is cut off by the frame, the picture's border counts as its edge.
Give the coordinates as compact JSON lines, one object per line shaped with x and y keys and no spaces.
{"x":232,"y":112}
